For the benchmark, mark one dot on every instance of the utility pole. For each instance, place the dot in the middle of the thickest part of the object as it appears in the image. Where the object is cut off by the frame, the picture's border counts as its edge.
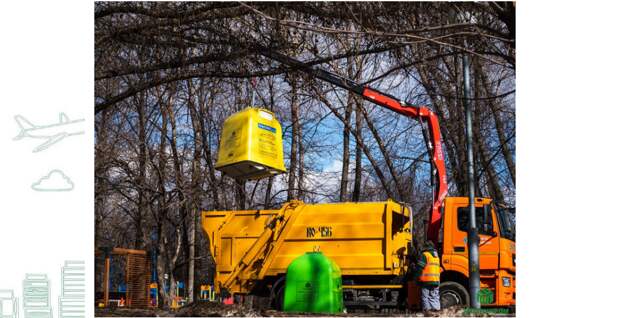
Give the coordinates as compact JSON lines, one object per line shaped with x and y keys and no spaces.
{"x":472,"y":233}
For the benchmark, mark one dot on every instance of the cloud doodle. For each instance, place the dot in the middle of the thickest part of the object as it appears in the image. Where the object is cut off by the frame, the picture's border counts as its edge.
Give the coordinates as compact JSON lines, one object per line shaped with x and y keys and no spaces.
{"x":55,"y":180}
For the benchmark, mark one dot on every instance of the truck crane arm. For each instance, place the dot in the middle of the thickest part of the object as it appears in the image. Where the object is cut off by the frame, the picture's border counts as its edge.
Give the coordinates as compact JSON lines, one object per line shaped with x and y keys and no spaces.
{"x":438,"y":170}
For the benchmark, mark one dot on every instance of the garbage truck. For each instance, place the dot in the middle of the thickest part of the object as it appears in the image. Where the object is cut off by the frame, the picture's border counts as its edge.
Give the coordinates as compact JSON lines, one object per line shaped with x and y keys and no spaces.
{"x":371,"y":242}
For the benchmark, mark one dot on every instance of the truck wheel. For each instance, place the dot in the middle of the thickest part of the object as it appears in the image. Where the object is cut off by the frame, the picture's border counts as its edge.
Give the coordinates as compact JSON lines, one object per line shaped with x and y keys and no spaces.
{"x":452,"y":294}
{"x":276,"y":296}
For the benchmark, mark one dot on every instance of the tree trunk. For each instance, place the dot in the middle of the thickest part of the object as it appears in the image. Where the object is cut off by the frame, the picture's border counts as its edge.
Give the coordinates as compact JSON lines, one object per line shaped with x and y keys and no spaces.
{"x":300,"y":180}
{"x":344,"y":177}
{"x":357,"y":183}
{"x":142,"y":202}
{"x":181,"y":189}
{"x":192,"y":255}
{"x":291,"y":193}
{"x":213,"y":184}
{"x":196,"y":190}
{"x":241,"y":196}
{"x":101,"y":132}
{"x":162,"y":215}
{"x":267,"y":200}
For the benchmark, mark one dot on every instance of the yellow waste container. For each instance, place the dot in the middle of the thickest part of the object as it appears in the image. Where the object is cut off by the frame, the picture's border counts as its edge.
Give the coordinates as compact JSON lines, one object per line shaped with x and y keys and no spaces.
{"x":251,"y":145}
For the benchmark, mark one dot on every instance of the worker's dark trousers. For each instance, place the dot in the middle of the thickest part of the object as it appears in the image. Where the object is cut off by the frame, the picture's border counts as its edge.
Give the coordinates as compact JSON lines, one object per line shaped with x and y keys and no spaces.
{"x":430,"y":298}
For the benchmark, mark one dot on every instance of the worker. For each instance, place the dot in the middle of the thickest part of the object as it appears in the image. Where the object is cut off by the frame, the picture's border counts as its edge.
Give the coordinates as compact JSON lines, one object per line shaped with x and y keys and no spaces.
{"x":427,"y":276}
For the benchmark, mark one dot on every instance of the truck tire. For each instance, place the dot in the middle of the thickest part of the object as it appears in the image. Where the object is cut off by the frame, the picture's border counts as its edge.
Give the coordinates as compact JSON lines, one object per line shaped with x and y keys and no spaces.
{"x":276,"y":296}
{"x":453,"y":294}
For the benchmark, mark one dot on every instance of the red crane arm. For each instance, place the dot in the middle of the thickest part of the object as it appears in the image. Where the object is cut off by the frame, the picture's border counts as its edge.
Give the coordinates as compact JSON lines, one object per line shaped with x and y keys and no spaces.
{"x":438,"y":172}
{"x":441,"y":188}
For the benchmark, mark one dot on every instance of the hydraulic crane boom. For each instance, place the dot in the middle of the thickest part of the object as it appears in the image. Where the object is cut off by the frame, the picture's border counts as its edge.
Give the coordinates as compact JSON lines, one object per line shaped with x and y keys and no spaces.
{"x":438,"y":172}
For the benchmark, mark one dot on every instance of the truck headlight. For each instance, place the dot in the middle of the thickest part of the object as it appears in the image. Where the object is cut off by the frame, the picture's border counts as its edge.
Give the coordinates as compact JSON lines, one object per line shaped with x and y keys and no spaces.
{"x":506,"y":281}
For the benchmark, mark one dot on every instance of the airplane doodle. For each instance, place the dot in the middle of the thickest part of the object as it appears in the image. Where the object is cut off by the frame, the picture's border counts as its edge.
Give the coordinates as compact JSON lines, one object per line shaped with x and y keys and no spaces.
{"x":52,"y":133}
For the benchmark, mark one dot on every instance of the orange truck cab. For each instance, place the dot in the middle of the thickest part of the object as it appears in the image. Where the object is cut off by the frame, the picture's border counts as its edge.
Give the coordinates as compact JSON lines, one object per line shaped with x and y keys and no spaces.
{"x":497,"y":253}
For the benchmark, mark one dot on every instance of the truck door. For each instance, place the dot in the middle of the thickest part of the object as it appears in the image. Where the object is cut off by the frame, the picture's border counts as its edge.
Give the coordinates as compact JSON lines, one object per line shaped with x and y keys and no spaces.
{"x":487,"y":230}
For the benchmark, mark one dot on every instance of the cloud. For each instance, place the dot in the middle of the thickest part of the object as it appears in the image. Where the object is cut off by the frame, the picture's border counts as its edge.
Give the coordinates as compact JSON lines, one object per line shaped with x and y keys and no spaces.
{"x":55,"y":180}
{"x":334,"y":166}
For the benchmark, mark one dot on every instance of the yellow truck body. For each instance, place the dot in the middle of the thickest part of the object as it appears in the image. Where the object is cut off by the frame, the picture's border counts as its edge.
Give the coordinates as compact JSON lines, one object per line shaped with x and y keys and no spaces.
{"x":362,"y":238}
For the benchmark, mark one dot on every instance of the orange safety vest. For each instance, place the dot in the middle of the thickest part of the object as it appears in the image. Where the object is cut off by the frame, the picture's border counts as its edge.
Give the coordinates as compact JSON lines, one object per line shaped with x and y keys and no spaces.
{"x":430,"y":273}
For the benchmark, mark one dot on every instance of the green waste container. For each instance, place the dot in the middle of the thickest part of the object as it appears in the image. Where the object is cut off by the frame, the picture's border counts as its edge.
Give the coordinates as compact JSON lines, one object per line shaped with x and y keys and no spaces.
{"x":313,"y":284}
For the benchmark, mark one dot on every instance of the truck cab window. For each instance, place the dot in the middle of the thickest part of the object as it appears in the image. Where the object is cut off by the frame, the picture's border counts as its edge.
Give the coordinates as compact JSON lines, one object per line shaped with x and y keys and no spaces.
{"x":506,"y":218}
{"x":484,"y":220}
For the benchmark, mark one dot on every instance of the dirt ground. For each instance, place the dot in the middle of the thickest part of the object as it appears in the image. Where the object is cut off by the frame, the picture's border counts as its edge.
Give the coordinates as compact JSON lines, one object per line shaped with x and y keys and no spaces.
{"x":212,"y":309}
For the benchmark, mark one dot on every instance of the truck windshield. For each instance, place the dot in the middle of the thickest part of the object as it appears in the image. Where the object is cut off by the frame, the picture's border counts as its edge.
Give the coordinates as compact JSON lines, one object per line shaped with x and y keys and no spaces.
{"x":507,"y":222}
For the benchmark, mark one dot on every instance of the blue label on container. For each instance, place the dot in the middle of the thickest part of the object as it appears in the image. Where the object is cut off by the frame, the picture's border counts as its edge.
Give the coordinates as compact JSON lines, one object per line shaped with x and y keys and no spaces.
{"x":265,"y":127}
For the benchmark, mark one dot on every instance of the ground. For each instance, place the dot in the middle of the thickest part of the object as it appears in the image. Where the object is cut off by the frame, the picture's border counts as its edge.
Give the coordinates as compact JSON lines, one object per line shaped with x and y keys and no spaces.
{"x":212,"y":309}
